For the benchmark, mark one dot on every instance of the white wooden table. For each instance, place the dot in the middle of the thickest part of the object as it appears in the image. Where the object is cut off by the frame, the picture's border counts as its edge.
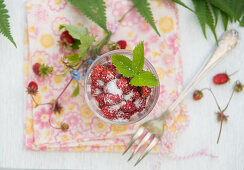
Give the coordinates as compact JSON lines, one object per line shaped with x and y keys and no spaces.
{"x":201,"y":133}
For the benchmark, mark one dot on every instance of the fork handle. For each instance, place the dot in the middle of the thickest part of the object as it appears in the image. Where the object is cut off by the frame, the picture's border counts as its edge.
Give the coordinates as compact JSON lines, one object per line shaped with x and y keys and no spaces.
{"x":226,"y":43}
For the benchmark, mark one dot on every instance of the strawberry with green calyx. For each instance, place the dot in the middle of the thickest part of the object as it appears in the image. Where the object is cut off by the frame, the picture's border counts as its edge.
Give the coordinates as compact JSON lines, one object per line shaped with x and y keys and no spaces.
{"x":45,"y":70}
{"x":134,"y":68}
{"x":238,"y":87}
{"x":197,"y":95}
{"x":221,"y":78}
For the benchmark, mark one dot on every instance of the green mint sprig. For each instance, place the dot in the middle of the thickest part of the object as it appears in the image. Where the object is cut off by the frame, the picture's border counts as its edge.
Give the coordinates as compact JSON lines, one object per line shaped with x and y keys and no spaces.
{"x":134,"y":68}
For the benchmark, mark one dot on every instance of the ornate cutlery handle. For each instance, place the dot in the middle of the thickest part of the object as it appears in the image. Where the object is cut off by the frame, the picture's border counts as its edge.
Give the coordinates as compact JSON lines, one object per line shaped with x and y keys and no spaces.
{"x":226,"y":43}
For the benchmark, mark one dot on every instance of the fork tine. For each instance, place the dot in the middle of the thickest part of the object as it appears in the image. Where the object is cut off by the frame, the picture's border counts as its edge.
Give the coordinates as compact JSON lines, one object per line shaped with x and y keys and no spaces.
{"x":148,"y":149}
{"x":142,"y":142}
{"x":138,"y":133}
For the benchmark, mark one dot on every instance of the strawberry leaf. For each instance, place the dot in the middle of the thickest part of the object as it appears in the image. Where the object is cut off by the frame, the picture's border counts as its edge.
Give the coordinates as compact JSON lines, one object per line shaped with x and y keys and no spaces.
{"x":123,"y":64}
{"x":85,"y":42}
{"x":144,"y":9}
{"x":4,"y":23}
{"x":76,"y":91}
{"x":75,"y":31}
{"x":92,"y":9}
{"x":144,"y":78}
{"x":138,"y":58}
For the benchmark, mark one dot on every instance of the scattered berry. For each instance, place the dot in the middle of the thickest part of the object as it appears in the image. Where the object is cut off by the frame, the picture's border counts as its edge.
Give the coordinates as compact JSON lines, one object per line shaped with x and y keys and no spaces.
{"x":145,"y":91}
{"x":124,"y":85}
{"x":107,"y":75}
{"x":238,"y":86}
{"x":109,"y":112}
{"x":197,"y":95}
{"x":140,"y":104}
{"x":64,"y":127}
{"x":221,"y":78}
{"x":36,"y":69}
{"x":111,"y":99}
{"x":128,"y":106}
{"x":32,"y":88}
{"x":65,"y":36}
{"x":122,"y":44}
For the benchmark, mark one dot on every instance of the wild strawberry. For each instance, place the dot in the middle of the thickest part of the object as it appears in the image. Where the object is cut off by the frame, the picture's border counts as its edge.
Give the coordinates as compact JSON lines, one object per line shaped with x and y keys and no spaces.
{"x":128,"y":106}
{"x":122,"y":44}
{"x":107,"y":75}
{"x":32,"y":88}
{"x":111,"y":99}
{"x":65,"y":36}
{"x":98,"y":83}
{"x":145,"y":91}
{"x":109,"y":112}
{"x":64,"y":127}
{"x":140,"y":104}
{"x":36,"y":69}
{"x":123,"y":115}
{"x":110,"y":66}
{"x":221,"y":78}
{"x":238,"y":86}
{"x":197,"y":95}
{"x":124,"y":85}
{"x":97,"y":72}
{"x":136,"y":94}
{"x":133,"y":95}
{"x":95,"y":91}
{"x":100,"y":100}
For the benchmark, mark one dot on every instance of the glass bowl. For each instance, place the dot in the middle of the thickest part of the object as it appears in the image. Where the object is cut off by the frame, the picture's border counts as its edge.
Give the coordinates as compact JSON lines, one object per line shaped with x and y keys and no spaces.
{"x":92,"y":103}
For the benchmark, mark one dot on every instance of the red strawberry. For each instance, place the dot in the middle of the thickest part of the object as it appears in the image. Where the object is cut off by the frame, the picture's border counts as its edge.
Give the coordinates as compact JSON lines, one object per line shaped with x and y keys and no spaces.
{"x":140,"y":104}
{"x":197,"y":95}
{"x":110,"y":66}
{"x":128,"y":106}
{"x":36,"y":69}
{"x":136,"y":94}
{"x":95,"y":91}
{"x":123,"y":115}
{"x":109,"y":112}
{"x":122,"y":44}
{"x":133,"y":95}
{"x":107,"y":75}
{"x":124,"y":85}
{"x":97,"y":72}
{"x":98,"y":83}
{"x":145,"y":91}
{"x":100,"y":100}
{"x":32,"y":88}
{"x":111,"y":99}
{"x":220,"y":78}
{"x":65,"y":36}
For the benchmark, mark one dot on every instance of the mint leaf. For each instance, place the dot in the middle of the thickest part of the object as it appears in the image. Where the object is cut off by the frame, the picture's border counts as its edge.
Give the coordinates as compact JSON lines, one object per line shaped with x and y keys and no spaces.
{"x":85,"y":42}
{"x":74,"y":58}
{"x":144,"y":78}
{"x":4,"y":23}
{"x":138,"y":58}
{"x":123,"y":64}
{"x":93,"y":9}
{"x":76,"y":91}
{"x":75,"y":31}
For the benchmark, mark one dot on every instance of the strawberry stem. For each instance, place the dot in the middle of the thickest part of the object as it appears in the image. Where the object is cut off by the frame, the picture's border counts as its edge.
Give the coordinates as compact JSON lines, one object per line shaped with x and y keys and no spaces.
{"x":220,"y":126}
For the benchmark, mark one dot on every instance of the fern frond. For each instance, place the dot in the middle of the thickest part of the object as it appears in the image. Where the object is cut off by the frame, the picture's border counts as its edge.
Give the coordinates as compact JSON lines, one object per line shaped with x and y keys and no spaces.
{"x":204,"y":16}
{"x":4,"y":23}
{"x":225,"y":19}
{"x":143,"y":7}
{"x":183,"y":4}
{"x":93,"y":9}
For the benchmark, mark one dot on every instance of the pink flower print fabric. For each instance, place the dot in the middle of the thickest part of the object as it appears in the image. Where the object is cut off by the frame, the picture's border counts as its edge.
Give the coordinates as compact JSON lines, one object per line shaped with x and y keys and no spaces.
{"x":86,"y":131}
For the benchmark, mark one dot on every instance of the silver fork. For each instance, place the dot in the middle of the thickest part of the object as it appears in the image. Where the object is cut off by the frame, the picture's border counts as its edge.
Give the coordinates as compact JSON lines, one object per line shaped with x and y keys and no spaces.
{"x":154,"y":128}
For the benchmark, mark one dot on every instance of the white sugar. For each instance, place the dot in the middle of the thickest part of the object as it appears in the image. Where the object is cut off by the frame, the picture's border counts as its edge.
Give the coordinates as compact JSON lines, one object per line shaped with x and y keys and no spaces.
{"x":129,"y":96}
{"x":100,"y":83}
{"x":138,"y":103}
{"x":112,"y":88}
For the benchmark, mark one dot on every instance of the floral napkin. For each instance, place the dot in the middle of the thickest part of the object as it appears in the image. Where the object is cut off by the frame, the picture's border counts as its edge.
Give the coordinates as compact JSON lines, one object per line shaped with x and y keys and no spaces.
{"x":86,"y":131}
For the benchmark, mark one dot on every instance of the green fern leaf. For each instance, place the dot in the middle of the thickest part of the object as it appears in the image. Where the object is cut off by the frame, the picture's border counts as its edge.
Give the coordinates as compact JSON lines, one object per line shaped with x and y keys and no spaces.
{"x":225,"y":19}
{"x":215,"y":14}
{"x":183,"y":4}
{"x":144,"y":9}
{"x":204,"y":16}
{"x":4,"y":23}
{"x":92,"y":9}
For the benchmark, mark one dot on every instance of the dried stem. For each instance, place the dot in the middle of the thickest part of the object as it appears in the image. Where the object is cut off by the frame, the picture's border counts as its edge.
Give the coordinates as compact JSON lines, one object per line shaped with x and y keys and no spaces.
{"x":221,"y":123}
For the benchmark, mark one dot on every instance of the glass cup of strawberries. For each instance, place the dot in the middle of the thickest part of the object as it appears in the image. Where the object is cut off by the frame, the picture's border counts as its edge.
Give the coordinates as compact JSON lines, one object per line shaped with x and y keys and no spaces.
{"x":110,"y":95}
